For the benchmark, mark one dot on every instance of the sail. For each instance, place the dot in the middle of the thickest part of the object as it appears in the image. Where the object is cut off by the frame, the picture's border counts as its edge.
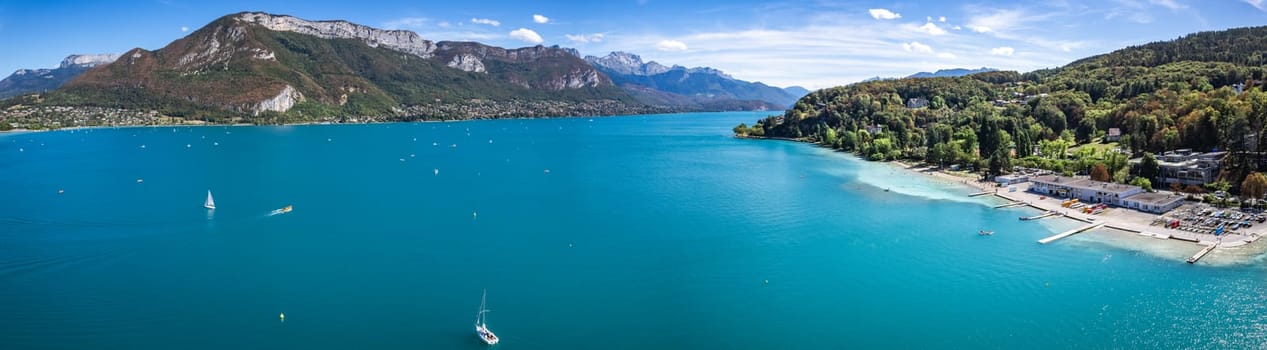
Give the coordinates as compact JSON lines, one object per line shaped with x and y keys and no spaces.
{"x":210,"y":203}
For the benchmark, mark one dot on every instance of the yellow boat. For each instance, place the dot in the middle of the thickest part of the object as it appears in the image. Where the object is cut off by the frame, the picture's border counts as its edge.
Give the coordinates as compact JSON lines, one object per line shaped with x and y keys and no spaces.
{"x":286,"y":209}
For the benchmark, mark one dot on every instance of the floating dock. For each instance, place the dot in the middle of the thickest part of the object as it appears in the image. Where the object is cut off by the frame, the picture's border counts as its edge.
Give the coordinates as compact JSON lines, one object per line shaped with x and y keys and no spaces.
{"x":1040,"y":216}
{"x":1014,"y":204}
{"x":1202,"y":253}
{"x":1070,"y":233}
{"x":980,"y":194}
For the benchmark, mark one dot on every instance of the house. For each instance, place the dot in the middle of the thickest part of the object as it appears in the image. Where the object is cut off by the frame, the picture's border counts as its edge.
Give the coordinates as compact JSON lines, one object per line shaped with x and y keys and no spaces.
{"x":916,"y":102}
{"x":1113,"y":135}
{"x":875,"y":129}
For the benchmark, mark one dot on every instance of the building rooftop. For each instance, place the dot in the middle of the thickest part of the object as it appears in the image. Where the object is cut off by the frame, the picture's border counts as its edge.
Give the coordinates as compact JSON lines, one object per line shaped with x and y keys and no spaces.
{"x":1087,"y":184}
{"x":1155,"y":198}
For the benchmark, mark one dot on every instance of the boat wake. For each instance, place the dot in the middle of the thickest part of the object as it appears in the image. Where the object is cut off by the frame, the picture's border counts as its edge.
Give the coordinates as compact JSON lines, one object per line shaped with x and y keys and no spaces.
{"x":281,"y":211}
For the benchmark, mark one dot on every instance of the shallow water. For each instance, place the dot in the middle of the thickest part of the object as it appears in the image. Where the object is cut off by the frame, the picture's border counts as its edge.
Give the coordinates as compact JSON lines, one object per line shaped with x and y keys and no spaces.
{"x":646,"y":232}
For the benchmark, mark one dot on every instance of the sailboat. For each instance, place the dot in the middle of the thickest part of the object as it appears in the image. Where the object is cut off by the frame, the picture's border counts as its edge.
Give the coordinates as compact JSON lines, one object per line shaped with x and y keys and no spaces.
{"x":210,"y":203}
{"x":481,"y":326}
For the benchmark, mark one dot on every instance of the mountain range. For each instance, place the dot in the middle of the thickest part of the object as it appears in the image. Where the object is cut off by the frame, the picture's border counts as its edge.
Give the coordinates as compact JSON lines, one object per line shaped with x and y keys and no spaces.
{"x":277,"y":68}
{"x":654,"y":83}
{"x":25,"y":81}
{"x":955,"y":72}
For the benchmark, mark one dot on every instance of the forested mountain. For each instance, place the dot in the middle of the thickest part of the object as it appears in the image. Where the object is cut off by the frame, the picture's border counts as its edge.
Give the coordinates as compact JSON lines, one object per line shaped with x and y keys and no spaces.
{"x":286,"y":68}
{"x":1202,"y":91}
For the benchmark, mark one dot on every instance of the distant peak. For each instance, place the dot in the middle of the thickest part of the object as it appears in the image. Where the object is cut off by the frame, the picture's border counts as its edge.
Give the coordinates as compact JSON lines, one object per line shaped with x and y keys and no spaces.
{"x":88,"y":60}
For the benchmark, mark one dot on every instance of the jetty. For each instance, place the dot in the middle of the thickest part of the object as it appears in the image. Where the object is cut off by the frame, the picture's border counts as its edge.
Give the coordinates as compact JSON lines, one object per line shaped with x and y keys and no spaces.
{"x":1040,"y":216}
{"x":1013,"y":204}
{"x":1070,"y":233}
{"x":980,"y":194}
{"x":1202,"y":253}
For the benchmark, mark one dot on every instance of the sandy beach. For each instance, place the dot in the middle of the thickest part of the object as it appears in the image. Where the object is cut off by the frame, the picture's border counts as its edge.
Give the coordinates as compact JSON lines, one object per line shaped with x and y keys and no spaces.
{"x":1121,"y":226}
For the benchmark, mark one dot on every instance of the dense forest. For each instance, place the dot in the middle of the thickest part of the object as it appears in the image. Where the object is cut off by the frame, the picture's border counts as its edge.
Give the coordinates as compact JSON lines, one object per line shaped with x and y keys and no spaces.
{"x":1203,"y":92}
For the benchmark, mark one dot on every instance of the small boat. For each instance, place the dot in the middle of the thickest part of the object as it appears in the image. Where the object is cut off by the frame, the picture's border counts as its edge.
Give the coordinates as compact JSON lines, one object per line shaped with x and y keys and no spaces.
{"x":985,"y":233}
{"x":210,"y":203}
{"x":481,"y":324}
{"x":285,"y":209}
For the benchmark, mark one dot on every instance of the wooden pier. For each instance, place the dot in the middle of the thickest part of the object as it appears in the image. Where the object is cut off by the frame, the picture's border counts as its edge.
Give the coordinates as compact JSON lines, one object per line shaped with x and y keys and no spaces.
{"x":1070,"y":233}
{"x":980,"y":193}
{"x":1040,"y":216}
{"x":1202,"y":253}
{"x":1013,"y":204}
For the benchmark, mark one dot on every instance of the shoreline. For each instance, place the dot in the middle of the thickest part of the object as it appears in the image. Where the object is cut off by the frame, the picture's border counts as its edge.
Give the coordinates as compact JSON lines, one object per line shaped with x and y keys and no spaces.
{"x":1116,"y":227}
{"x":204,"y":124}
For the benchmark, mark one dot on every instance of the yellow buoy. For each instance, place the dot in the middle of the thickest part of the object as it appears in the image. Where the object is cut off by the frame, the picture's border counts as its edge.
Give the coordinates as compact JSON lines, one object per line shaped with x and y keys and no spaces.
{"x":282,"y":316}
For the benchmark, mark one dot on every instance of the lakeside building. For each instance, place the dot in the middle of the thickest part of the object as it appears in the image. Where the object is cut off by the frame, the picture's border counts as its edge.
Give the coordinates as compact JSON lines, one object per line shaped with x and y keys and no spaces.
{"x":1188,"y":167}
{"x":1091,"y":191}
{"x":1011,"y":179}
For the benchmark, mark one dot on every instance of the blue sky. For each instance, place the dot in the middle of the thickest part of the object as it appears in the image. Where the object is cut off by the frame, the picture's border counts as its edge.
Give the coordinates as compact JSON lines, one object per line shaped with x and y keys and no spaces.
{"x":815,"y":44}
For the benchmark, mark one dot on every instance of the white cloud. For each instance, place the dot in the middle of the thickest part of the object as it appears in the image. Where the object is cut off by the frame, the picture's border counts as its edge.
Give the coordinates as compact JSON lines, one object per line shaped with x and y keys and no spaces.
{"x":1002,"y":51}
{"x":540,"y":19}
{"x":941,"y":19}
{"x":884,"y":14}
{"x":1259,"y":4}
{"x":947,"y":55}
{"x":526,"y":35}
{"x":486,"y":21}
{"x":979,"y":29}
{"x":670,"y":45}
{"x":184,"y":29}
{"x":584,"y":38}
{"x":957,"y":28}
{"x":931,"y":28}
{"x":1171,"y":4}
{"x":405,"y":23}
{"x":444,"y":24}
{"x":916,"y":47}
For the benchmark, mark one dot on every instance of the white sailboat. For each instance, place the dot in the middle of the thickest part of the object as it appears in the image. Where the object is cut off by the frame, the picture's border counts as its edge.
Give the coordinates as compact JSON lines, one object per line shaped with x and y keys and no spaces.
{"x":481,"y":326}
{"x":210,"y":203}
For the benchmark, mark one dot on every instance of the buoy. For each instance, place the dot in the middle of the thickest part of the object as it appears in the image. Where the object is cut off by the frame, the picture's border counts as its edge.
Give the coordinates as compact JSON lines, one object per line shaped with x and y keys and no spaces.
{"x":411,"y":155}
{"x":328,"y":140}
{"x":474,"y":215}
{"x":139,"y":180}
{"x":60,"y":191}
{"x":436,"y":171}
{"x":282,"y":316}
{"x":490,"y":140}
{"x":767,"y":281}
{"x":547,"y":171}
{"x":569,"y":245}
{"x":188,"y":145}
{"x":215,"y":143}
{"x":142,"y":146}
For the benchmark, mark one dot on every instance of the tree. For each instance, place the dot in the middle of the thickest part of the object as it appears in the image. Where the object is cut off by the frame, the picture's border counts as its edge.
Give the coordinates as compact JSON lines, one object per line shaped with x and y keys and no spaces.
{"x":1142,"y":182}
{"x":998,"y":162}
{"x":741,"y":129}
{"x":1148,"y":167}
{"x":1255,"y":185}
{"x":1219,"y":186}
{"x":1100,"y":173}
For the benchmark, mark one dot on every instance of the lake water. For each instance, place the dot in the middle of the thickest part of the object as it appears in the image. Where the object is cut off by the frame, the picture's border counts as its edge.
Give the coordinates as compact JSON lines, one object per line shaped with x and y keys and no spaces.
{"x":645,"y":232}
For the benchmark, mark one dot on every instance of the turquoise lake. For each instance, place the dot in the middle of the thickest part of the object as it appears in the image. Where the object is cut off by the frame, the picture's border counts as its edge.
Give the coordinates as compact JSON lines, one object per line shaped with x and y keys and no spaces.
{"x":642,"y":232}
